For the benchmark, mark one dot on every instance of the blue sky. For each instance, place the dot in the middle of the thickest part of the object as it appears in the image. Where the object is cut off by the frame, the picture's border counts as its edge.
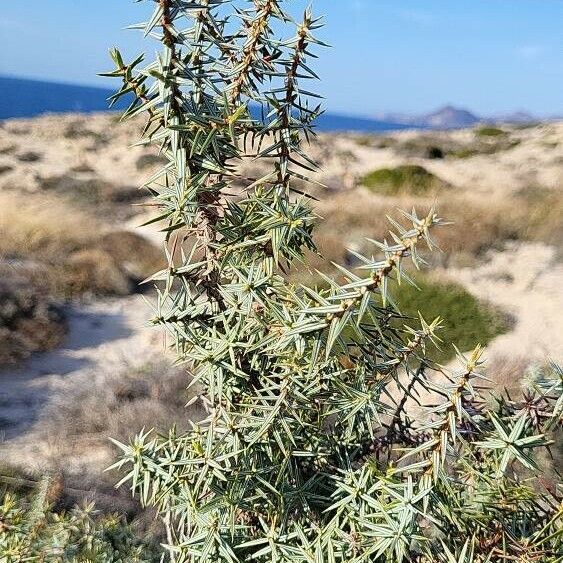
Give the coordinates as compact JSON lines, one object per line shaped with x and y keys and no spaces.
{"x":388,"y":55}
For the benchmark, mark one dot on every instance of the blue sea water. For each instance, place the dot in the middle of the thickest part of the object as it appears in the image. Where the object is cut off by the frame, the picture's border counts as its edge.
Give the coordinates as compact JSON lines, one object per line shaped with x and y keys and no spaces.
{"x":28,"y":98}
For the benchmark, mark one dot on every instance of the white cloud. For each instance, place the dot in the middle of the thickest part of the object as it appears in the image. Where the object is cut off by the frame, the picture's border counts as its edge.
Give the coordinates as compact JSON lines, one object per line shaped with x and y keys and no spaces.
{"x":530,"y":52}
{"x":420,"y":17}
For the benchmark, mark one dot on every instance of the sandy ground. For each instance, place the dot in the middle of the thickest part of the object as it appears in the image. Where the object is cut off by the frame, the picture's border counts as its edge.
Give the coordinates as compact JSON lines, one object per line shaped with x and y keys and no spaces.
{"x":35,"y":150}
{"x":107,"y":335}
{"x":526,"y":281}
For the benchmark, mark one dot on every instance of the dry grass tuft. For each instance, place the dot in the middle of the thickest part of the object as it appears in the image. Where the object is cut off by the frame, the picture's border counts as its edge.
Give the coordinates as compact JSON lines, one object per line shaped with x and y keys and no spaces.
{"x":542,"y":211}
{"x":29,"y":319}
{"x":93,"y":191}
{"x":40,"y":228}
{"x":115,"y":264}
{"x":138,"y":257}
{"x":92,"y":270}
{"x":507,"y":373}
{"x":122,"y":404}
{"x":78,"y":255}
{"x":478,"y":227}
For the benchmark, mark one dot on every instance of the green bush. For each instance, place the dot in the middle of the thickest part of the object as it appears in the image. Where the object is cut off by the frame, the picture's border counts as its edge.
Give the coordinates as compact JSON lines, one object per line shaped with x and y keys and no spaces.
{"x":467,"y":152}
{"x":408,"y":179}
{"x":487,"y":131}
{"x":488,"y":146}
{"x":31,"y":530}
{"x":466,"y":319}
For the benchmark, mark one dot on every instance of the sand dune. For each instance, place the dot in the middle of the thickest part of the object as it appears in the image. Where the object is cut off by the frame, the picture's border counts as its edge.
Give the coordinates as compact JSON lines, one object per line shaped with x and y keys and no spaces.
{"x":89,"y":161}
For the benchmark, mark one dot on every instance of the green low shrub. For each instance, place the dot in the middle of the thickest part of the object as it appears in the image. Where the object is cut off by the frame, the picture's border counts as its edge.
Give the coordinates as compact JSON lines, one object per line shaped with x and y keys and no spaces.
{"x":32,"y":530}
{"x":466,"y":152}
{"x":408,"y":179}
{"x":487,"y":131}
{"x":492,"y":145}
{"x":466,"y":319}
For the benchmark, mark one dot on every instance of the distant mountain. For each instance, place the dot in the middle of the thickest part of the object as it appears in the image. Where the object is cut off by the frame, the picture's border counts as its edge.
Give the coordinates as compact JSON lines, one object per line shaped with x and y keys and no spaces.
{"x":521,"y":117}
{"x":337,"y":122}
{"x":447,"y":117}
{"x":450,"y":117}
{"x":27,"y":98}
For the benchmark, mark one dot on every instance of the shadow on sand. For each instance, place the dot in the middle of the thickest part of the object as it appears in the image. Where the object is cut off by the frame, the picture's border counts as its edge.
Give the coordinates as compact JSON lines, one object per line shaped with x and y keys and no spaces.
{"x":25,"y":391}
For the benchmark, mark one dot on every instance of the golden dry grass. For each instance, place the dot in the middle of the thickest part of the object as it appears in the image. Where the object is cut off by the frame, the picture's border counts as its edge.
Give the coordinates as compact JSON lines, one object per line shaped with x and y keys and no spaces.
{"x":81,"y":255}
{"x":121,"y":404}
{"x":477,"y":227}
{"x":49,"y":250}
{"x":41,"y":228}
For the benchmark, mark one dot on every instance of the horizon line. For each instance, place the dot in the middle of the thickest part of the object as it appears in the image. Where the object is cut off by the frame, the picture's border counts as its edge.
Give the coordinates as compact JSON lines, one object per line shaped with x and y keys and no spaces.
{"x":376,"y":116}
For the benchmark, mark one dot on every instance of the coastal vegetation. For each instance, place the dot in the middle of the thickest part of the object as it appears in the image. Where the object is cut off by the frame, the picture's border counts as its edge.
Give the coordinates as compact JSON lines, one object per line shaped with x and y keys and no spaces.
{"x":301,"y":455}
{"x":329,"y":400}
{"x":407,"y":179}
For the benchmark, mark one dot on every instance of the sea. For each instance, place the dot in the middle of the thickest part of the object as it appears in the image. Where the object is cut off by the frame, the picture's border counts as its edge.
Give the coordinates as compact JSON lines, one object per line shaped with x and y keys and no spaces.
{"x":21,"y":97}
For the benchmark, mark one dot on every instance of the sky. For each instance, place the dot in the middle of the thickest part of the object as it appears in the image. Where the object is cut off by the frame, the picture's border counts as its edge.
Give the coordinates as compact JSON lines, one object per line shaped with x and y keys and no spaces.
{"x":490,"y":56}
